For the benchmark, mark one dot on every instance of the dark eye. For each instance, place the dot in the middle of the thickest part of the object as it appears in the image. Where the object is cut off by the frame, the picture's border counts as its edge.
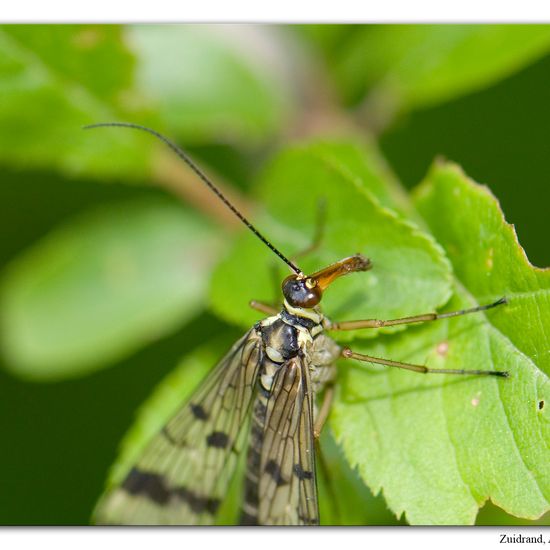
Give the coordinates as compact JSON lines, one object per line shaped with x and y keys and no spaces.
{"x":297,"y":293}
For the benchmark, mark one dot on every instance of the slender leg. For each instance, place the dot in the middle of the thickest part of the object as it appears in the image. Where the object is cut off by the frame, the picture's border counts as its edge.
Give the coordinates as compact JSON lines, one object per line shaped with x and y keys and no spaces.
{"x":319,"y":231}
{"x":323,"y":412}
{"x":264,"y":308}
{"x":377,"y":323}
{"x":349,"y":354}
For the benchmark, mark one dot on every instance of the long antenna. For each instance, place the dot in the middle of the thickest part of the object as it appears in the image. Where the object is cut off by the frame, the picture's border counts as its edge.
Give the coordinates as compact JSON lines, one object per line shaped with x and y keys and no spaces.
{"x":183,"y":156}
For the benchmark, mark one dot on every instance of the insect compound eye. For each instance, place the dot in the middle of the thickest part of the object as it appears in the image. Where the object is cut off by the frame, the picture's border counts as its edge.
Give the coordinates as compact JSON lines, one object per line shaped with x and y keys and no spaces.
{"x":301,"y":292}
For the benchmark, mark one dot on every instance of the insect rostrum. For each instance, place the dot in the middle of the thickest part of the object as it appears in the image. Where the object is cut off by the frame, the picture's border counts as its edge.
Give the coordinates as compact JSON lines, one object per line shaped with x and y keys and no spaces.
{"x":260,"y":399}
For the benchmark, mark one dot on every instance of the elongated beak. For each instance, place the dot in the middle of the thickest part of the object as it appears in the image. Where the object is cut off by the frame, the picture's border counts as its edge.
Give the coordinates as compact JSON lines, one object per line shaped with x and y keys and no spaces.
{"x":326,"y":276}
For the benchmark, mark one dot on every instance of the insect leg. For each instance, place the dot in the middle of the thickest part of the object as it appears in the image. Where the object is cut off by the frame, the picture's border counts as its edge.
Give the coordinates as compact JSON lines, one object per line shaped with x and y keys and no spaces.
{"x":349,"y":354}
{"x":378,"y":323}
{"x":263,"y":308}
{"x":323,"y":412}
{"x":320,"y":223}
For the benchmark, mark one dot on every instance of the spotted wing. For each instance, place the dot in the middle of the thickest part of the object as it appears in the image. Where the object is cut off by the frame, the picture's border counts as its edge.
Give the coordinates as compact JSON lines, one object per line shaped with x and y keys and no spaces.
{"x":287,"y":487}
{"x":183,"y":475}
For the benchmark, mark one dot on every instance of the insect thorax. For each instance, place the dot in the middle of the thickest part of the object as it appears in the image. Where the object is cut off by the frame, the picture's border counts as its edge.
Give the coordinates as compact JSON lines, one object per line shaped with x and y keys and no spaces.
{"x":297,"y":332}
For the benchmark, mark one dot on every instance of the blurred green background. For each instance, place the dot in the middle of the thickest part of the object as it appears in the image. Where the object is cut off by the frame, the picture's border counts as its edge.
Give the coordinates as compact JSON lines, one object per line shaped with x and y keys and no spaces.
{"x":104,"y":266}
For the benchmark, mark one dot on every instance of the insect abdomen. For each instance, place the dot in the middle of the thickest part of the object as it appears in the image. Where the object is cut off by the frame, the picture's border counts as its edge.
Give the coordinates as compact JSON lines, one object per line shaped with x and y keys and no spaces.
{"x":249,"y":515}
{"x":280,"y":343}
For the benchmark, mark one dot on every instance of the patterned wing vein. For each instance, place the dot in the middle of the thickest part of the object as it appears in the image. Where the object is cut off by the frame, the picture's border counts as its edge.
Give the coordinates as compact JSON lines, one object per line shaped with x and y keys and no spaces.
{"x":287,"y":486}
{"x":183,"y":475}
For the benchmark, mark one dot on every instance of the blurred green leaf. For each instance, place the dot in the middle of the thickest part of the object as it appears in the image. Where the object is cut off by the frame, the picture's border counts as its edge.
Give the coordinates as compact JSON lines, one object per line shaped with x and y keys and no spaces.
{"x":408,"y":265}
{"x":103,"y":286}
{"x":92,"y":55}
{"x":439,"y":447}
{"x":199,"y":81}
{"x":55,"y":79}
{"x":210,"y":83}
{"x":409,"y":66}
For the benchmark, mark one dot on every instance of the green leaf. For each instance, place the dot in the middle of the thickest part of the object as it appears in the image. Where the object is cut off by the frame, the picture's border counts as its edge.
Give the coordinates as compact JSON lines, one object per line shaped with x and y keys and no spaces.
{"x":487,"y":258}
{"x":363,"y":161}
{"x":411,"y":66}
{"x":408,"y":265}
{"x":343,"y":498}
{"x":208,"y":82}
{"x":439,"y":447}
{"x":200,"y":82}
{"x":92,"y":55}
{"x":102,"y":286}
{"x":63,"y":70}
